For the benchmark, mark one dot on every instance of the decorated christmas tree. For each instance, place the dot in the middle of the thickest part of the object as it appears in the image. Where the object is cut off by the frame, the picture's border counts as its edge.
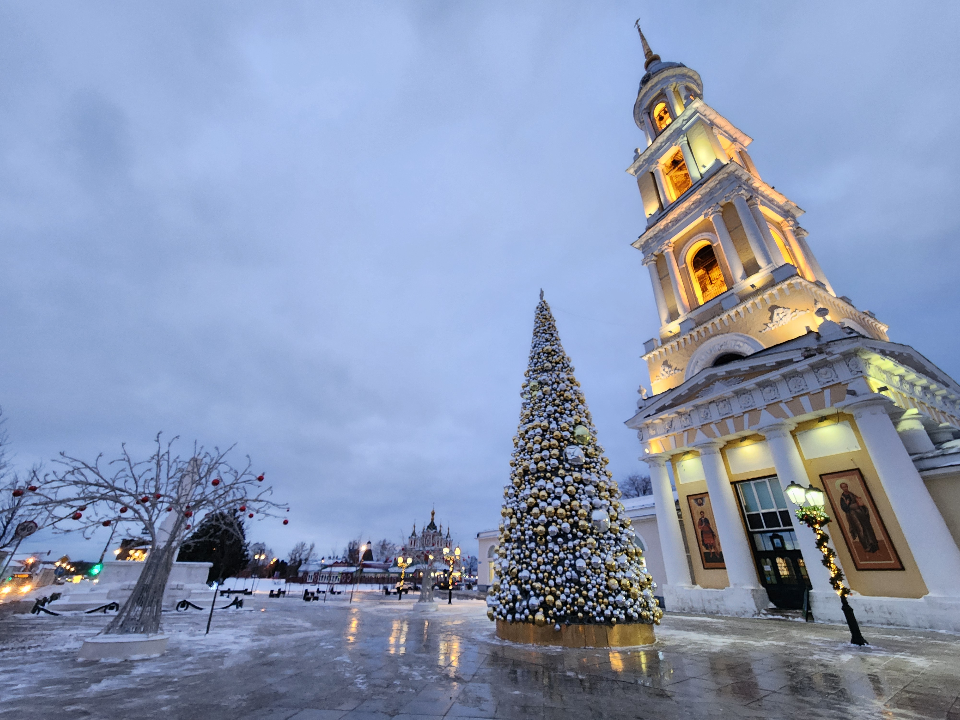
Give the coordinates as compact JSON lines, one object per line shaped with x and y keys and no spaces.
{"x":567,"y":555}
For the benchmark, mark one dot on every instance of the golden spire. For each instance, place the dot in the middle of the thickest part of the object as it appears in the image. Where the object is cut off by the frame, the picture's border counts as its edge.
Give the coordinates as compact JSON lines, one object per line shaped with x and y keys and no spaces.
{"x":650,"y":55}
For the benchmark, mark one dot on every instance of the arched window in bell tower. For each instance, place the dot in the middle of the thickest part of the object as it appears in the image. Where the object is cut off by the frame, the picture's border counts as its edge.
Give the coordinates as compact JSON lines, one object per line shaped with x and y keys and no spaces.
{"x":677,"y":174}
{"x":706,"y":273}
{"x":661,"y":116}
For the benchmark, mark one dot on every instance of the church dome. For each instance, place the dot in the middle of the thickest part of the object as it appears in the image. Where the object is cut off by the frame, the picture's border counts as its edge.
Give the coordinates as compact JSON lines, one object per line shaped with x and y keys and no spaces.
{"x":665,"y":84}
{"x":657,"y":67}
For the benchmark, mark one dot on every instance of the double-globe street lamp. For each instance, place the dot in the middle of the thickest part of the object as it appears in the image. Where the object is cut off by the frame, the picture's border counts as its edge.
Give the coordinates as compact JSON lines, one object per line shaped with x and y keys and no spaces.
{"x":811,"y":512}
{"x":450,"y":557}
{"x":403,"y":563}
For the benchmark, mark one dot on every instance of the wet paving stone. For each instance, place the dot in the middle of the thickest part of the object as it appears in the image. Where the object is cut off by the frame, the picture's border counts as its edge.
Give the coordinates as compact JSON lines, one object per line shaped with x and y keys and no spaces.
{"x":284,"y":659}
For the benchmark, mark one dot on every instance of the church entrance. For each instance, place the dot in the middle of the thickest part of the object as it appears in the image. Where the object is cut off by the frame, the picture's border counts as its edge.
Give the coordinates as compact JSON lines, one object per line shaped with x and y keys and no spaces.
{"x":773,"y":541}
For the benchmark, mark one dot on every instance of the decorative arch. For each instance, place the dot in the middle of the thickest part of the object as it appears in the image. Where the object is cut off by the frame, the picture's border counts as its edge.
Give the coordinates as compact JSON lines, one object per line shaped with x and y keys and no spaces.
{"x":725,"y":344}
{"x":784,"y":247}
{"x":704,"y":269}
{"x":661,"y":114}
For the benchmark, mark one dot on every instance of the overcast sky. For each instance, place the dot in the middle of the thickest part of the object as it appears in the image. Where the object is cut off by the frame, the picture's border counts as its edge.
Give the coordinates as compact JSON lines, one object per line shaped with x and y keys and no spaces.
{"x":319,"y":230}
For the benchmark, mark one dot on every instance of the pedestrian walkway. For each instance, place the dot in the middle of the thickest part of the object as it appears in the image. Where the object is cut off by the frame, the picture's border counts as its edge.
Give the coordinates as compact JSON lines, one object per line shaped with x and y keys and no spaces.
{"x":281,"y":659}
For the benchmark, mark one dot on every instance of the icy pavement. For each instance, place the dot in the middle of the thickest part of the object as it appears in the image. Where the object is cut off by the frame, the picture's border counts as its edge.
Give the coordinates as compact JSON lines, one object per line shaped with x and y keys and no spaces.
{"x":379,"y":658}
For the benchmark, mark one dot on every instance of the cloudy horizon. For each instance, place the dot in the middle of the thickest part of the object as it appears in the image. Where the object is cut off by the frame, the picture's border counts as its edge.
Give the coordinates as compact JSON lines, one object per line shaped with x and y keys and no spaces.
{"x":319,"y":231}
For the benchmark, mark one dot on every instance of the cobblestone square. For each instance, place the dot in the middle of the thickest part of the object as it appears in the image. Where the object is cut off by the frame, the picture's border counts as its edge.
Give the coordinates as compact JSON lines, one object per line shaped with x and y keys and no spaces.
{"x":284,"y":659}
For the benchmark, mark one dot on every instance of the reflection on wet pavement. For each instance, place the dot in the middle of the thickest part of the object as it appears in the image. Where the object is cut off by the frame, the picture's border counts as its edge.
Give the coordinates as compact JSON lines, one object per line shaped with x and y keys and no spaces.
{"x":374,"y":660}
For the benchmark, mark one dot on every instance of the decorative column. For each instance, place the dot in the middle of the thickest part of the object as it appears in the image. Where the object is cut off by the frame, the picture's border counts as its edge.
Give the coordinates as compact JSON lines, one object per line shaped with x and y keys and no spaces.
{"x":682,"y":305}
{"x":770,"y":241}
{"x":748,"y":161}
{"x":689,"y":159}
{"x":648,"y":126}
{"x":737,"y":272}
{"x":741,"y":571}
{"x":716,"y":145}
{"x":668,"y":525}
{"x":913,"y":434}
{"x":795,"y":248}
{"x":933,"y":548}
{"x":801,"y":236}
{"x":661,"y":185}
{"x":651,"y":263}
{"x":757,"y":245}
{"x":789,"y":466}
{"x":676,"y":103}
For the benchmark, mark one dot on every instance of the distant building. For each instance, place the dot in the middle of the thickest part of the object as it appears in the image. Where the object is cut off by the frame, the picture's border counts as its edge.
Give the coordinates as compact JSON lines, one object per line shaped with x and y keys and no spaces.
{"x":431,"y":540}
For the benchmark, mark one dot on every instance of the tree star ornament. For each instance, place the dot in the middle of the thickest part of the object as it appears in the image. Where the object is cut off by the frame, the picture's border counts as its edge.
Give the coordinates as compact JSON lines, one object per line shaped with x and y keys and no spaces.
{"x":567,"y":555}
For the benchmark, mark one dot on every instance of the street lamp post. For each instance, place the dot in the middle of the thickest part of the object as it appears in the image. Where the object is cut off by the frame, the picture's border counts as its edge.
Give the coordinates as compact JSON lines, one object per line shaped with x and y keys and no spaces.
{"x":356,"y":578}
{"x":403,"y":564}
{"x":811,"y":512}
{"x":450,"y":558}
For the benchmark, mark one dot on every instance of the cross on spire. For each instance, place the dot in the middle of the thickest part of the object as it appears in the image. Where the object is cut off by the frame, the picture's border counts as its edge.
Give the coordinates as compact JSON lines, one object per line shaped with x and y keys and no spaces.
{"x":650,"y":55}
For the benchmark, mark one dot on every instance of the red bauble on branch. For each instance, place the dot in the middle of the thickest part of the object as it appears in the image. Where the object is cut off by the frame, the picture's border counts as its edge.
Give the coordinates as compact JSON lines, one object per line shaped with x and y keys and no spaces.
{"x":77,"y":515}
{"x":157,"y":495}
{"x":215,"y":482}
{"x":144,"y":499}
{"x":250,"y":515}
{"x":260,"y":478}
{"x":106,"y":523}
{"x":286,"y":522}
{"x":123,"y":509}
{"x":243,"y":508}
{"x":18,"y":492}
{"x":82,"y":507}
{"x":188,"y":513}
{"x":32,"y":488}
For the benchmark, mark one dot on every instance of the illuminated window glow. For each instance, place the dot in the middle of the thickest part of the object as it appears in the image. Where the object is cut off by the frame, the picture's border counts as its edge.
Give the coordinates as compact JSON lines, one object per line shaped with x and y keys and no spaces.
{"x":677,"y":175}
{"x":707,"y":274}
{"x":661,"y":116}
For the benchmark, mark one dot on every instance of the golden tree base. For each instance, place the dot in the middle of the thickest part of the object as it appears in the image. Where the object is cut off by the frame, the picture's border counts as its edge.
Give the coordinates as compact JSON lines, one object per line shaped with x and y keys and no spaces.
{"x":577,"y":636}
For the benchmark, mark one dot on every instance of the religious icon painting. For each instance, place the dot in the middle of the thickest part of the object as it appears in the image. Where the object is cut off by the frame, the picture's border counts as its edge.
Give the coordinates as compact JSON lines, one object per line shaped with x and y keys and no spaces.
{"x":705,"y":528}
{"x":860,"y":522}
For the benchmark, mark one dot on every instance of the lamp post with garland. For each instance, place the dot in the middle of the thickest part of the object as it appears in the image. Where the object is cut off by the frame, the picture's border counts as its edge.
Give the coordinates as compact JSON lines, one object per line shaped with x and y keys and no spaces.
{"x":451,"y":557}
{"x":403,"y":563}
{"x":811,"y":512}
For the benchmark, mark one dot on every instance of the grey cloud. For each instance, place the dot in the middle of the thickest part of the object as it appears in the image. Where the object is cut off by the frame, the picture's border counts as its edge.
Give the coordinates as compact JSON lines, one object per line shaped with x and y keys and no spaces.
{"x":319,"y":230}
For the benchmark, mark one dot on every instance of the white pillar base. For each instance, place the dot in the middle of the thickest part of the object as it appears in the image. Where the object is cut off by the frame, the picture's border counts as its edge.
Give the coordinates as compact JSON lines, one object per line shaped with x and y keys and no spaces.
{"x":928,"y":613}
{"x":731,"y":601}
{"x":826,"y":607}
{"x":123,"y":647}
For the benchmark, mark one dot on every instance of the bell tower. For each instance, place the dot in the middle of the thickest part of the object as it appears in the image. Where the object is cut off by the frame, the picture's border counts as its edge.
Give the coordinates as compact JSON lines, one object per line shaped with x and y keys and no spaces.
{"x":731,"y":269}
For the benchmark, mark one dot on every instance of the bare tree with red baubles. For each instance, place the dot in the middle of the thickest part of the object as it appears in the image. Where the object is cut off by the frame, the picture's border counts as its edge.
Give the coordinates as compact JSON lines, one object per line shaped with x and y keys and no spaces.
{"x":163,"y":496}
